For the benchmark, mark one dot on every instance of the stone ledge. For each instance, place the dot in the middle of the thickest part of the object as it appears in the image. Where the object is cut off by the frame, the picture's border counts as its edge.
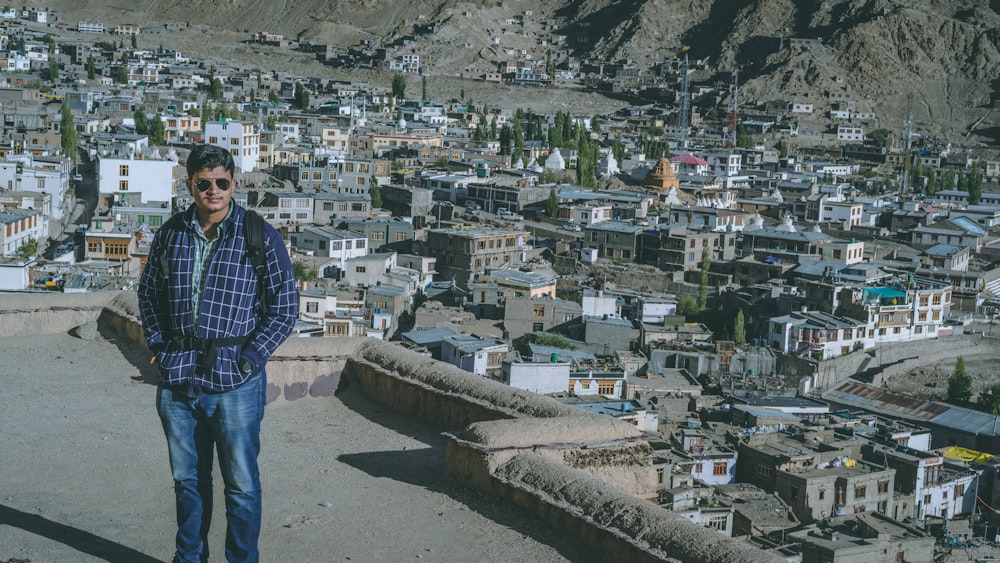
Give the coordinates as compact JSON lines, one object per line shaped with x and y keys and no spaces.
{"x":583,"y":473}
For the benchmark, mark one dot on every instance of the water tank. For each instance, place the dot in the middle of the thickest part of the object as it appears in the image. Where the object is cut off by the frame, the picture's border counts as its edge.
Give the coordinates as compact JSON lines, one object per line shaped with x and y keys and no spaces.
{"x":554,"y":358}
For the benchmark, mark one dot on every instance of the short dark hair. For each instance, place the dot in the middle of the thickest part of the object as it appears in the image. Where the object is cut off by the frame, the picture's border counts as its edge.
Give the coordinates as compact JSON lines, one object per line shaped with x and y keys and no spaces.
{"x":209,"y":156}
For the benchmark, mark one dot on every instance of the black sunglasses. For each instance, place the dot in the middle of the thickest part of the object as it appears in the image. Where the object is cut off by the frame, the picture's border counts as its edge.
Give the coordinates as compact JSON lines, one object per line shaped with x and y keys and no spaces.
{"x":205,"y":183}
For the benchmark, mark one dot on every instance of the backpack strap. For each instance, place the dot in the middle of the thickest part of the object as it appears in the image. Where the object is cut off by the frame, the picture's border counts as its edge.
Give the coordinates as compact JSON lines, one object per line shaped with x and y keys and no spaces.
{"x":173,"y":224}
{"x":253,"y":232}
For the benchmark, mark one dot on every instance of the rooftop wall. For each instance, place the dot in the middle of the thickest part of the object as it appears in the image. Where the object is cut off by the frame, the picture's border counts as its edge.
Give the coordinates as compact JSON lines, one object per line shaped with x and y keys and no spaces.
{"x":586,"y":474}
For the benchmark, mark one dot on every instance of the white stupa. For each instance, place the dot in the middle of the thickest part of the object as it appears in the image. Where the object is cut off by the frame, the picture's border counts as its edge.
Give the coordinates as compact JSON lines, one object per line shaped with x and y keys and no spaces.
{"x":555,"y":160}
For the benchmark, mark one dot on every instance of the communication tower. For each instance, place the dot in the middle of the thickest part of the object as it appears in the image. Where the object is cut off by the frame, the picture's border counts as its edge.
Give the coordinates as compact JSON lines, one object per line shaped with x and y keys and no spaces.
{"x":684,"y":112}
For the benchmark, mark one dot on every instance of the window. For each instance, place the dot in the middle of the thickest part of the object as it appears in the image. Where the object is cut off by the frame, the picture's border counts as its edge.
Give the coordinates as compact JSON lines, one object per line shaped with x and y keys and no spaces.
{"x":606,"y":387}
{"x":312,"y":307}
{"x":155,"y":220}
{"x":883,"y":487}
{"x":539,"y":310}
{"x":959,"y":490}
{"x":377,"y":235}
{"x":359,"y":269}
{"x":123,"y":185}
{"x":123,"y":170}
{"x":719,"y":468}
{"x":718,"y":521}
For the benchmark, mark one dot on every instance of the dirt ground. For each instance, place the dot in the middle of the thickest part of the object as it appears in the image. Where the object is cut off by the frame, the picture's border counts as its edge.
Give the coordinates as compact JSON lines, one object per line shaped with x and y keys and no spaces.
{"x":931,"y":380}
{"x":84,"y":475}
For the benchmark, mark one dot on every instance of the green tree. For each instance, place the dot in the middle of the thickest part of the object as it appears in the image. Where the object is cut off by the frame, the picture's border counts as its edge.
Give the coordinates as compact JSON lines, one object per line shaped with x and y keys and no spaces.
{"x":67,"y":131}
{"x":595,"y":124}
{"x":375,"y":191}
{"x":91,"y":71}
{"x":482,"y":129}
{"x":975,"y":187}
{"x":552,"y":204}
{"x":215,"y":89}
{"x":959,"y":384}
{"x":53,"y":70}
{"x":155,"y":130}
{"x":706,"y":263}
{"x":989,"y":400}
{"x":782,"y":149}
{"x":139,"y":117}
{"x":121,"y":75}
{"x":687,"y":305}
{"x":135,"y":41}
{"x":300,"y":99}
{"x":303,"y":272}
{"x":423,"y":88}
{"x":398,"y":86}
{"x":272,"y":97}
{"x":744,"y":139}
{"x":517,"y":138}
{"x":740,"y":329}
{"x":506,"y":137}
{"x":29,"y":248}
{"x":879,"y":137}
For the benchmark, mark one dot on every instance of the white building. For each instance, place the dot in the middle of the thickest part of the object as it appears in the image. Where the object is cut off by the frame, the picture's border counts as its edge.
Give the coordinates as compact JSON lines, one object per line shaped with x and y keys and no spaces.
{"x":482,"y":355}
{"x":241,"y":139}
{"x":537,"y":377}
{"x":15,"y":274}
{"x":328,"y":242}
{"x":135,"y":180}
{"x":17,"y":227}
{"x":596,"y":304}
{"x":48,"y":175}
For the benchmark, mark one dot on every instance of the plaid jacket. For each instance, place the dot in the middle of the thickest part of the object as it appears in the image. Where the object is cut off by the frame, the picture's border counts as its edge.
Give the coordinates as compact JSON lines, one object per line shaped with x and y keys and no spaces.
{"x":228,"y":306}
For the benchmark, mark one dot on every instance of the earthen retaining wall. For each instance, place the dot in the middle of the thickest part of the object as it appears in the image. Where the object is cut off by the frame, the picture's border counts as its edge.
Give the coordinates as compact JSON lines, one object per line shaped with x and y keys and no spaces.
{"x":583,"y":473}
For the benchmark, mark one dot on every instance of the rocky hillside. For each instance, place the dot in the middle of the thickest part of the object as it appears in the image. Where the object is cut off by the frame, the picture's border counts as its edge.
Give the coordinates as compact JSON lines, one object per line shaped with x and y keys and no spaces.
{"x":939,"y":59}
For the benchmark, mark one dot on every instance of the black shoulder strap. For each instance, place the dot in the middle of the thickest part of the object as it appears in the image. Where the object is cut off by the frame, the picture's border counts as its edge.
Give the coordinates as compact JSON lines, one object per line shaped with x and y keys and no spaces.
{"x":174,"y":223}
{"x":253,"y":232}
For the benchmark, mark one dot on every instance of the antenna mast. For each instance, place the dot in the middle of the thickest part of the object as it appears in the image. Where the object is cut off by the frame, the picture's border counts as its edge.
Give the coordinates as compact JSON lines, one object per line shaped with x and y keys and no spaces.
{"x":732,"y":116}
{"x":684,"y":112}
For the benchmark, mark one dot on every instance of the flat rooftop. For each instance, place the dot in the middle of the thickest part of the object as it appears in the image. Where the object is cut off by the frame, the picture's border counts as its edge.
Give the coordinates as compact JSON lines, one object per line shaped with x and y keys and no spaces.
{"x":86,"y":478}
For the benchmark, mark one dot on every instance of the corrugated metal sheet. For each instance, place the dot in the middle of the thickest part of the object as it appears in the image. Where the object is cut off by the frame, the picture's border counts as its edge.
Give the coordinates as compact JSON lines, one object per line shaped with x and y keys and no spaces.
{"x":872,"y":399}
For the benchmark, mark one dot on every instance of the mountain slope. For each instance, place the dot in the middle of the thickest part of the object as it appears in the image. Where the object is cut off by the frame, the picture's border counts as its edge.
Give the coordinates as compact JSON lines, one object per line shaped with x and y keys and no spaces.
{"x":939,"y":59}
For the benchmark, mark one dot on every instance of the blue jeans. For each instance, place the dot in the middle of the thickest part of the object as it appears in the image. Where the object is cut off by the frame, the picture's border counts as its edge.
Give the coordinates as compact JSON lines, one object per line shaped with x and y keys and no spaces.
{"x":229,"y":421}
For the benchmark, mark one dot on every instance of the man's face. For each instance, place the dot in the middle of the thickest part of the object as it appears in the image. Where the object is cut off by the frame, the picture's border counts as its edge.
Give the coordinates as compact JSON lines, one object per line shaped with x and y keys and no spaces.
{"x":214,"y":199}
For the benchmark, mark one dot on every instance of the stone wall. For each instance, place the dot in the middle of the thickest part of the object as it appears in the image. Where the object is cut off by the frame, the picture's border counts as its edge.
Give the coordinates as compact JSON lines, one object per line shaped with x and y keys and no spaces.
{"x":26,"y":314}
{"x":585,"y":474}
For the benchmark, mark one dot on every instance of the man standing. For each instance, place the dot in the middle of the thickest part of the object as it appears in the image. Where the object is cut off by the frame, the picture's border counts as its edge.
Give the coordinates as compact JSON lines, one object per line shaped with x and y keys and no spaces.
{"x":212,"y":322}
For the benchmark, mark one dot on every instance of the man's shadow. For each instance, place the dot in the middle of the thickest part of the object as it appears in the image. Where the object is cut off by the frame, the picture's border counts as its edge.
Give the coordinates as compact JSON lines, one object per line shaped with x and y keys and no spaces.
{"x":82,"y":541}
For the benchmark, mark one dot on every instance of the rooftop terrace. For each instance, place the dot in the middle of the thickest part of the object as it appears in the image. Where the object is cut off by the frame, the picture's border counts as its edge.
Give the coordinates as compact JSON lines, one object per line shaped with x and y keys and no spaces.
{"x":365,"y":475}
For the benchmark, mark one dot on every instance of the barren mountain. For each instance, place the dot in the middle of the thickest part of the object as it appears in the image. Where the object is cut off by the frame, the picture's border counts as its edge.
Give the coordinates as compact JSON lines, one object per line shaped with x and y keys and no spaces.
{"x":939,"y":59}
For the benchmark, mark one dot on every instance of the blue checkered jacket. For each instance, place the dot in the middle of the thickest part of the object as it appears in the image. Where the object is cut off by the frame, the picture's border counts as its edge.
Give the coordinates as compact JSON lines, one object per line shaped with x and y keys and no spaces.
{"x":228,"y":307}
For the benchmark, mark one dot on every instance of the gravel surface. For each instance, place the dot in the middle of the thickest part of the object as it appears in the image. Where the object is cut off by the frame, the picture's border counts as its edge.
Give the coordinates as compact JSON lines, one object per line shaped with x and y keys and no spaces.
{"x":85,"y":474}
